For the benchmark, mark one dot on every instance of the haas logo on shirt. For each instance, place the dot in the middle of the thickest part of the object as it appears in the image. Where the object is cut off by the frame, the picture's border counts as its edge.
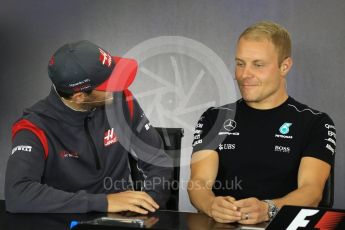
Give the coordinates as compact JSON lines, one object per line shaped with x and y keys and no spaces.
{"x":110,"y":137}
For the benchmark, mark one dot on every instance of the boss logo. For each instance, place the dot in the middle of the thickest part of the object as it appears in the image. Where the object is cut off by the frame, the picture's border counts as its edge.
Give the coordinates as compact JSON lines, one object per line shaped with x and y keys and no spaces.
{"x":281,"y":149}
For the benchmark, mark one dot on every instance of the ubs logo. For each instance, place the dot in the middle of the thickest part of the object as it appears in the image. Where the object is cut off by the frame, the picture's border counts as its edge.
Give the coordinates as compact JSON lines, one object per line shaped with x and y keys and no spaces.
{"x":226,"y":146}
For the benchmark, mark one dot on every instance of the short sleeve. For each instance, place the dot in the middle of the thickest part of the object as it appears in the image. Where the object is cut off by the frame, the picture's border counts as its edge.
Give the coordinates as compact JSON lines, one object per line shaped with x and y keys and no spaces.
{"x":322,"y":140}
{"x":206,"y":132}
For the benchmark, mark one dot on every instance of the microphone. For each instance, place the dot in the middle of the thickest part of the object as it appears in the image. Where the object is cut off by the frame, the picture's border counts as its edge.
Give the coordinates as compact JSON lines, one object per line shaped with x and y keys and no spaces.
{"x":64,"y":99}
{"x":88,"y":102}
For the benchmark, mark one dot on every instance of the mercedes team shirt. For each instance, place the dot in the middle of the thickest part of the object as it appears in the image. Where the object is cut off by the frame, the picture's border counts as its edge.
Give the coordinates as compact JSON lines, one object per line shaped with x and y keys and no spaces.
{"x":260,"y":150}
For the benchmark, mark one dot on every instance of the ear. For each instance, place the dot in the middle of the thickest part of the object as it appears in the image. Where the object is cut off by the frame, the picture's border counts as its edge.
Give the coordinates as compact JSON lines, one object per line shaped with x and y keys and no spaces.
{"x":78,"y":97}
{"x":286,"y":66}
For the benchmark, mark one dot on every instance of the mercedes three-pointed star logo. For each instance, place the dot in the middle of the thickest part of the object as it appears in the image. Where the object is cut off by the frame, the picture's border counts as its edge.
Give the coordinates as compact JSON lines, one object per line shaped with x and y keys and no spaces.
{"x":229,"y":125}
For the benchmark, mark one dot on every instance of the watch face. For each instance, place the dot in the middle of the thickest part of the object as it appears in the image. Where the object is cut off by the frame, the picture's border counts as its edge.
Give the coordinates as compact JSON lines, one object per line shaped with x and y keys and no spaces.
{"x":272,"y":209}
{"x":272,"y":214}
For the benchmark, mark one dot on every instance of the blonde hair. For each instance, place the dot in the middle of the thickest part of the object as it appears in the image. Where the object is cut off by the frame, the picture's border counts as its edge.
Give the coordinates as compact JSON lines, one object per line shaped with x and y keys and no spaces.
{"x":275,"y":33}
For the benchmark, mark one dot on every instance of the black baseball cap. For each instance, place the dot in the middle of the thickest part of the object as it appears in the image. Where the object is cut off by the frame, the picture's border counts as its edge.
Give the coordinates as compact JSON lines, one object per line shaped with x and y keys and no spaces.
{"x":82,"y":66}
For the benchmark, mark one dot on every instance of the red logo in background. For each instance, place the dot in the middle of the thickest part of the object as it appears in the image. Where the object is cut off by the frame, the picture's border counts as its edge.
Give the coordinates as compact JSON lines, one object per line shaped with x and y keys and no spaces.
{"x":110,"y":137}
{"x":52,"y":61}
{"x":105,"y":58}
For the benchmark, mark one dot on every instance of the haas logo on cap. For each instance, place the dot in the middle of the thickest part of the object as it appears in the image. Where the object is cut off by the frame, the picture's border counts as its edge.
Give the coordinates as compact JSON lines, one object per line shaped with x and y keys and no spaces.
{"x":105,"y":58}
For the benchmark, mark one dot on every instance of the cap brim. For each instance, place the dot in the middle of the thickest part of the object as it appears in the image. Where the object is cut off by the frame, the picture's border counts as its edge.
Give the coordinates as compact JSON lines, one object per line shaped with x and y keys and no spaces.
{"x":122,"y":76}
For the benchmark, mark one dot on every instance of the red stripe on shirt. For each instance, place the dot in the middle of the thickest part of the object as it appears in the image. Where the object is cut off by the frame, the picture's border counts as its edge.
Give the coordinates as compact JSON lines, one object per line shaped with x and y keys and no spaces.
{"x":27,"y":125}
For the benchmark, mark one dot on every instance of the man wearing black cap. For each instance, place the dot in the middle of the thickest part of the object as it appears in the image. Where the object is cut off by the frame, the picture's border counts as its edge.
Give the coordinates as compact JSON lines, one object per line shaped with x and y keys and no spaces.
{"x":71,"y":150}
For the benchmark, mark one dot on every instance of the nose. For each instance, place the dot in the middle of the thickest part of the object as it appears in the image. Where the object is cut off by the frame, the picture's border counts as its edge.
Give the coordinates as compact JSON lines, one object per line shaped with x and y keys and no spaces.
{"x":243,"y":72}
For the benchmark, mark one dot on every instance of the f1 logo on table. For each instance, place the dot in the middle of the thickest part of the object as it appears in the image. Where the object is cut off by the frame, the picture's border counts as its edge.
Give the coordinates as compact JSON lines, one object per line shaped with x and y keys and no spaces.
{"x":329,"y":220}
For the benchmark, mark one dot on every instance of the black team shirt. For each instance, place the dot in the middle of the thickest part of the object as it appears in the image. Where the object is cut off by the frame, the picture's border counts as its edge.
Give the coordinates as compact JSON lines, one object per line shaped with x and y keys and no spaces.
{"x":260,"y":150}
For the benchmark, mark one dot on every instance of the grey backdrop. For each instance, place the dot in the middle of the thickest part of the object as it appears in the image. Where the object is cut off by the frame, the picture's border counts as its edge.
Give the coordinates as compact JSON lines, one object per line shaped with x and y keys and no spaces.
{"x":31,"y":30}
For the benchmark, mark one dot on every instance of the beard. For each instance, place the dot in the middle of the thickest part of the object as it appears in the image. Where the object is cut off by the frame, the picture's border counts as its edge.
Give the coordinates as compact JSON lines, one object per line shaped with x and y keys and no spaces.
{"x":94,"y":102}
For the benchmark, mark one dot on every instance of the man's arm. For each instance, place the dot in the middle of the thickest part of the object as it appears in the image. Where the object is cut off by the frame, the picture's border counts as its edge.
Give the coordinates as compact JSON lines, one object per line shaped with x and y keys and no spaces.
{"x":204,"y":169}
{"x":312,"y":175}
{"x":24,"y":191}
{"x":152,"y":161}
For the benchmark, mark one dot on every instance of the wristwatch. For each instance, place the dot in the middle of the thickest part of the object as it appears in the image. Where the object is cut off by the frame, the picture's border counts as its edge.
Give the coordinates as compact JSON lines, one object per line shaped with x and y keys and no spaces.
{"x":272,"y":209}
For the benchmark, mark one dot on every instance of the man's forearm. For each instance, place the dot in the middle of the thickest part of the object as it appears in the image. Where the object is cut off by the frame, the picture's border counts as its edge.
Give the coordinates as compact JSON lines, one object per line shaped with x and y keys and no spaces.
{"x":156,"y":184}
{"x":40,"y":198}
{"x":200,"y":195}
{"x":303,"y":196}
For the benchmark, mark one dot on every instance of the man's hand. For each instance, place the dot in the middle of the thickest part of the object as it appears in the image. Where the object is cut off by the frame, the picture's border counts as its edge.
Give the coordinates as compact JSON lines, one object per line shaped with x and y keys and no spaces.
{"x":223,"y":210}
{"x":139,"y":202}
{"x":253,"y":210}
